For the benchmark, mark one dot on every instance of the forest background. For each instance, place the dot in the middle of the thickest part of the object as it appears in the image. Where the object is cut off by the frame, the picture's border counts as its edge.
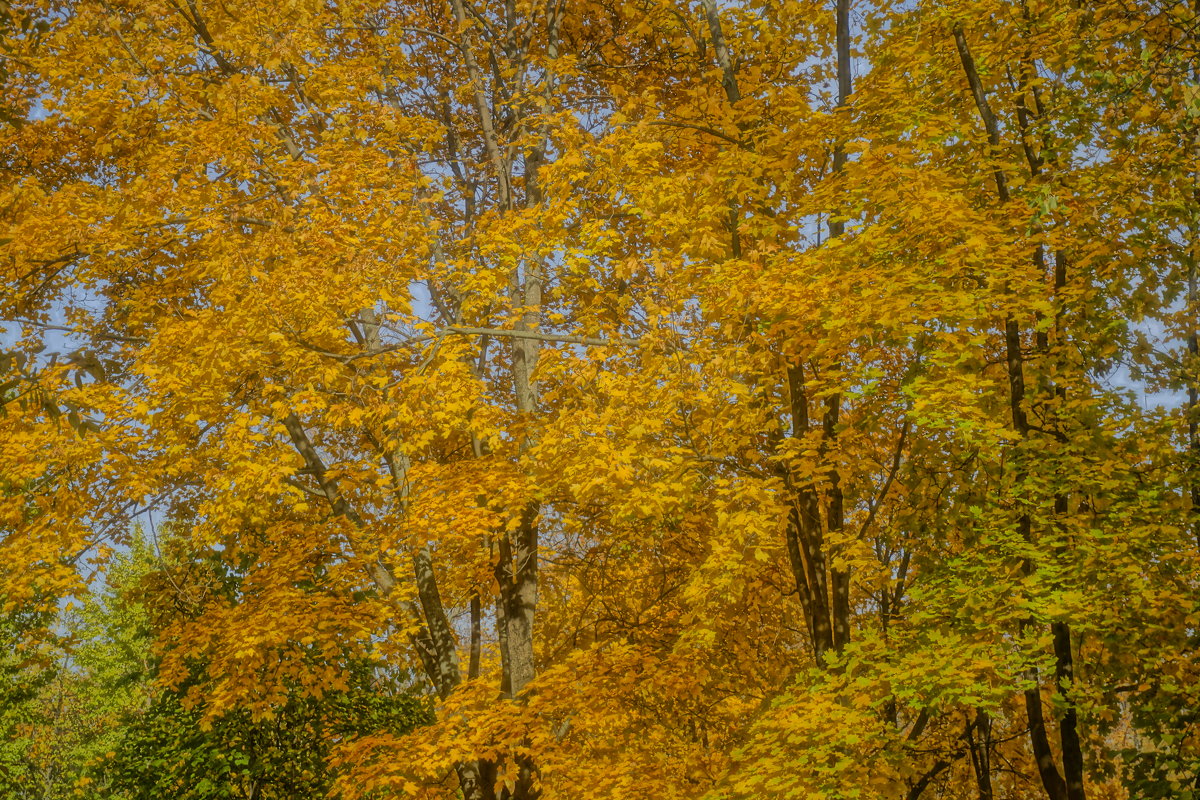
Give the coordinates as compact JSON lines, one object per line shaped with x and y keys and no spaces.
{"x":655,"y":399}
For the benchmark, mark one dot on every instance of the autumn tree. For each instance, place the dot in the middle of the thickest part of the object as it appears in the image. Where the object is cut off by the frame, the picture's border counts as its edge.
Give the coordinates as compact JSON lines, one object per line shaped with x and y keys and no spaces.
{"x":708,"y":399}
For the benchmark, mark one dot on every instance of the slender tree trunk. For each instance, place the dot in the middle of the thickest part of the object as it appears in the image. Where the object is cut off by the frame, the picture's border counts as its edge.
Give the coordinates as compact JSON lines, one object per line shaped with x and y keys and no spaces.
{"x":1072,"y":747}
{"x":1057,"y":788}
{"x":1192,"y":377}
{"x":1192,"y":363}
{"x":1052,"y":781}
{"x":824,"y":592}
{"x":1068,"y":726}
{"x":840,"y":578}
{"x":516,"y":569}
{"x":725,"y":61}
{"x":980,"y":741}
{"x":476,"y":636}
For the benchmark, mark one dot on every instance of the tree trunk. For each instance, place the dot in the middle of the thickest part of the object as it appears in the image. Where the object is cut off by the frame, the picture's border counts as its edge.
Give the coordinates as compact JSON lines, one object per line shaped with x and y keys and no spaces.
{"x":1056,"y":787}
{"x":979,"y":736}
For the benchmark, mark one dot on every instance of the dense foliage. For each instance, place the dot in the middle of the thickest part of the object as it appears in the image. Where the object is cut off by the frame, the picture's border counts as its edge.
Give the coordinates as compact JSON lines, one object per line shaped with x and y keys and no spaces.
{"x":94,"y":724}
{"x":724,"y":400}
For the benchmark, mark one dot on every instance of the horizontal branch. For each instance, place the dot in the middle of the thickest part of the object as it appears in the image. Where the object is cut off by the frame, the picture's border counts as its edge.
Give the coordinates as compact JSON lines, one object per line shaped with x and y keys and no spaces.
{"x":591,"y":341}
{"x":563,"y":338}
{"x":110,"y":337}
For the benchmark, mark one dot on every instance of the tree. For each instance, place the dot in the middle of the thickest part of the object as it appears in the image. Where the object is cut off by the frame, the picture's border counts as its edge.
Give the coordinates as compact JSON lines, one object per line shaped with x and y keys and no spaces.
{"x":708,"y":399}
{"x":98,"y":725}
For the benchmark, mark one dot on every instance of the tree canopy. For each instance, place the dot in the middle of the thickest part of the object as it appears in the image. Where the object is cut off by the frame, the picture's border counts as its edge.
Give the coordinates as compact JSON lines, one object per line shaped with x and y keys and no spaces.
{"x":701,"y":400}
